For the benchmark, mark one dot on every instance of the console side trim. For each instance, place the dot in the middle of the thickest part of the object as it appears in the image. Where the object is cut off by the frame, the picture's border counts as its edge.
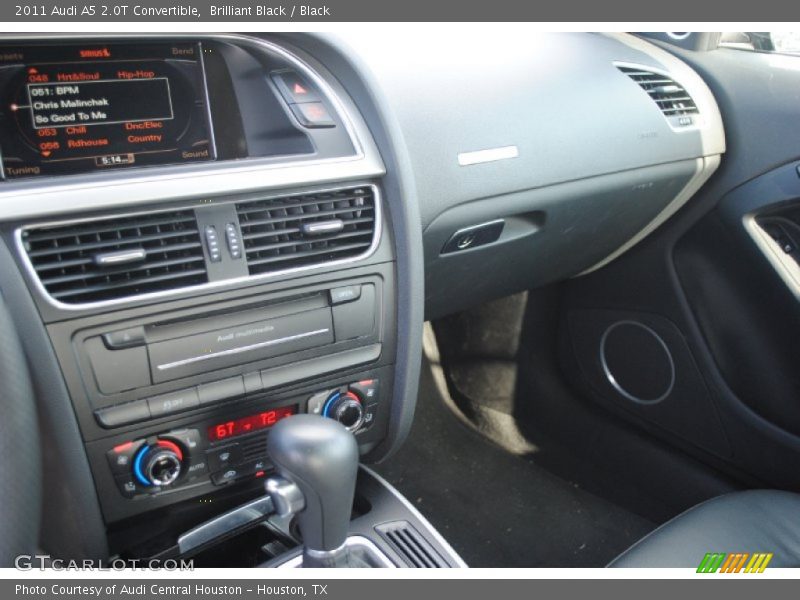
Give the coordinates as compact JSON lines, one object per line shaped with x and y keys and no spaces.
{"x":413,"y":510}
{"x":215,"y":528}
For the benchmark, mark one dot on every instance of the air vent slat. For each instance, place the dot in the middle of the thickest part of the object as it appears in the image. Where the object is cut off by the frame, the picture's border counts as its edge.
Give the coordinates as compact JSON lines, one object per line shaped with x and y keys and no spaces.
{"x":670,"y":97}
{"x":63,"y":264}
{"x":414,"y":548}
{"x":273,"y":233}
{"x":289,"y":218}
{"x":277,"y":236}
{"x":68,"y":258}
{"x":411,"y":545}
{"x":123,"y":284}
{"x":319,"y":239}
{"x":77,"y":230}
{"x":671,"y":100}
{"x":154,"y":266}
{"x":141,"y":240}
{"x":303,"y":202}
{"x":290,"y":230}
{"x":302,"y":255}
{"x":635,"y":73}
{"x":418,"y":562}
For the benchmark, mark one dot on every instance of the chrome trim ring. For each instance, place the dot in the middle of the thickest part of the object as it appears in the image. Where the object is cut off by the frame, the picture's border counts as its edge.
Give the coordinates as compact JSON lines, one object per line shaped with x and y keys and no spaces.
{"x":172,"y":476}
{"x":610,"y":376}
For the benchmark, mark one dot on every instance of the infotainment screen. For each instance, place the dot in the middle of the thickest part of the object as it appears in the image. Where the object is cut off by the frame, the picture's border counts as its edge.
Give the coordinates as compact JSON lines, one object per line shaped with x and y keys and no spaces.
{"x":73,"y":109}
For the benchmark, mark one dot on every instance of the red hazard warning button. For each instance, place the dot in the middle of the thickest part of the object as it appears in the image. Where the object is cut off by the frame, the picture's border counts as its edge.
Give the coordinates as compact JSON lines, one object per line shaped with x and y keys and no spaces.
{"x":294,"y":88}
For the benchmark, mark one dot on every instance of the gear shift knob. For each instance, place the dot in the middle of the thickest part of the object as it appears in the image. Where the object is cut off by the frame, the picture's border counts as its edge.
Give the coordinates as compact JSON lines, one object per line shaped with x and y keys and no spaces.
{"x":321,"y":457}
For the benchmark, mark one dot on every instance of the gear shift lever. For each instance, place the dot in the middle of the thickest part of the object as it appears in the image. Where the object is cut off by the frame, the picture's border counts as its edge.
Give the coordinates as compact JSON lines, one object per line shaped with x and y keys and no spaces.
{"x":321,"y":457}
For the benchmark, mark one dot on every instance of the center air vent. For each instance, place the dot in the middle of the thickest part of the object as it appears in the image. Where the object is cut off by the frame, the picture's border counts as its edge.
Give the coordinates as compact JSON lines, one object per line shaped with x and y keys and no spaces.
{"x":116,"y":258}
{"x":308,"y":229}
{"x":670,"y":97}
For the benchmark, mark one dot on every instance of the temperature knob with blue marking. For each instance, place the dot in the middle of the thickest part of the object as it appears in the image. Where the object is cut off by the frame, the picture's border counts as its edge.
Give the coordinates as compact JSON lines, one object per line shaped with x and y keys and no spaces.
{"x":158,"y":464}
{"x":346,"y":408}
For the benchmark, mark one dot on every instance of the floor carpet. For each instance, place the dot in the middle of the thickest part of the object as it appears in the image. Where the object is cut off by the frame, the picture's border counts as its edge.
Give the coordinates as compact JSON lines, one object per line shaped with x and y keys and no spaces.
{"x":499,"y":509}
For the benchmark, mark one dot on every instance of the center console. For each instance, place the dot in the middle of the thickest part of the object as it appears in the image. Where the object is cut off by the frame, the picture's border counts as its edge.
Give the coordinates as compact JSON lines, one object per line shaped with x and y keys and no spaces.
{"x":189,"y":394}
{"x":211,"y":244}
{"x":189,"y":387}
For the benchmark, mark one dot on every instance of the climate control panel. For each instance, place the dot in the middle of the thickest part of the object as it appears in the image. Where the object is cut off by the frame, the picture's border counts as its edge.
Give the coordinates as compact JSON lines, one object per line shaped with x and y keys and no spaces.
{"x":226,"y":450}
{"x":151,"y":465}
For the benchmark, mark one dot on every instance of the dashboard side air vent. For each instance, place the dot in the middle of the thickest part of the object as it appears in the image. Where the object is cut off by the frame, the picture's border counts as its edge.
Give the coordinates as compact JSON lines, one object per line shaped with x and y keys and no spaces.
{"x":411,"y":545}
{"x":670,"y":97}
{"x":308,"y":229}
{"x":108,"y":259}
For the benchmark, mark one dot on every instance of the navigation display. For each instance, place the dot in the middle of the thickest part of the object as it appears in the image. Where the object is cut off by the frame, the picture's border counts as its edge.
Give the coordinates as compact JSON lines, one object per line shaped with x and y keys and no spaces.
{"x":71,"y":109}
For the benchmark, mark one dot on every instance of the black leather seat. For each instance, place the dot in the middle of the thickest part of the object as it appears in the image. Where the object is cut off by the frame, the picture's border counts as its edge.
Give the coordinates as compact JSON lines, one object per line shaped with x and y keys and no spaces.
{"x":752,"y":521}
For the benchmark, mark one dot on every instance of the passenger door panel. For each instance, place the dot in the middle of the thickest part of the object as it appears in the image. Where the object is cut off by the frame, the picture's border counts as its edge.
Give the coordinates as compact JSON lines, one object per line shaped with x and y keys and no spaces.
{"x":717,"y":285}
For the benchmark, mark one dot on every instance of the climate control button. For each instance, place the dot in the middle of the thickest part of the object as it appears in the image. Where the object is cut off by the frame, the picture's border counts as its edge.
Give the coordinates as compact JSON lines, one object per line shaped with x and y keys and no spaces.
{"x":368,"y":390}
{"x":224,"y":457}
{"x":121,"y":457}
{"x":127,"y":485}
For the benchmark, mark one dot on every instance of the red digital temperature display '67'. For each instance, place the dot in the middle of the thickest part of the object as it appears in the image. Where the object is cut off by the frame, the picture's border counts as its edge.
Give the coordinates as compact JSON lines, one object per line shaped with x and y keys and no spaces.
{"x":249,"y":424}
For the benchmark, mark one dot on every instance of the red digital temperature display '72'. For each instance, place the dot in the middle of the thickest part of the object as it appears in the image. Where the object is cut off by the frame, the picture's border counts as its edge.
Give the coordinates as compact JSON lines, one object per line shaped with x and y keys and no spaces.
{"x":249,"y":424}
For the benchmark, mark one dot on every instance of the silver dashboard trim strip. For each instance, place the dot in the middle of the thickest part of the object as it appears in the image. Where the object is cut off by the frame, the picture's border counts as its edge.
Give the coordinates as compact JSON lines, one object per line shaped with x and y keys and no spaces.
{"x":211,"y":286}
{"x":240,"y":349}
{"x":477,"y":157}
{"x":182,"y":182}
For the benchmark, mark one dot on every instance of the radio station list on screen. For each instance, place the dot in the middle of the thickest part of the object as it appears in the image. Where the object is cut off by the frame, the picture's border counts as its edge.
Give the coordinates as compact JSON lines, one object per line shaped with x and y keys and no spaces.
{"x":77,"y":109}
{"x":249,"y":424}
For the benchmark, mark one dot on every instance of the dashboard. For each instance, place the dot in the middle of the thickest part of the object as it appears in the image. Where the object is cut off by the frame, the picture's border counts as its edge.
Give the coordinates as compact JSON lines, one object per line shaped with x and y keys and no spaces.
{"x":203,"y":235}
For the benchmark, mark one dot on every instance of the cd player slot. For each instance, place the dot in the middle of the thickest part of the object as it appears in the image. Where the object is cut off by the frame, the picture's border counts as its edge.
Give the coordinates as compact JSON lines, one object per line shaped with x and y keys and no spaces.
{"x":236,"y":344}
{"x":257,"y":336}
{"x":209,"y":321}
